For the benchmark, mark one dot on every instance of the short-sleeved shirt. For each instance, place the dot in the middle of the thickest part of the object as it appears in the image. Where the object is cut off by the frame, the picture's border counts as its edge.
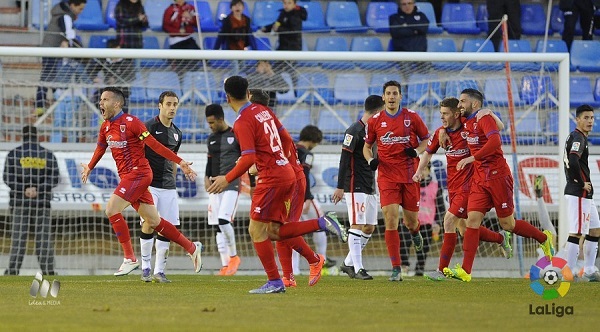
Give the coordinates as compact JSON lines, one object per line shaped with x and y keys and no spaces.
{"x":163,"y":176}
{"x":393,"y":134}
{"x":458,"y":181}
{"x":223,"y":153}
{"x":257,"y":131}
{"x":493,"y":165}
{"x":124,"y":134}
{"x":577,"y":143}
{"x":359,"y":178}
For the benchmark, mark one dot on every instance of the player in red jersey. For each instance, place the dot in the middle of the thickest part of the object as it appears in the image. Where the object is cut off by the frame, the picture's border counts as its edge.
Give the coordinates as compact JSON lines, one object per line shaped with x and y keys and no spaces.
{"x":400,"y":135}
{"x":458,"y":184}
{"x":264,"y":143}
{"x":127,"y":137}
{"x":491,"y":185}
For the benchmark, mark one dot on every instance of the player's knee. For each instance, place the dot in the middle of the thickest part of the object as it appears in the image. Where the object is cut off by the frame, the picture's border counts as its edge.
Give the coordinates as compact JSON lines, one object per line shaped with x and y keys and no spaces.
{"x":368,"y":229}
{"x":506,"y":223}
{"x":223,"y":221}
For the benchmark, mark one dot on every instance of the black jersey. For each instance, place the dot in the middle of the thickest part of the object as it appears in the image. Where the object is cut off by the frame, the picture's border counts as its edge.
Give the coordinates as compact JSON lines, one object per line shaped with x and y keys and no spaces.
{"x":355,"y":175}
{"x":163,"y":175}
{"x":223,"y":152}
{"x":305,"y":157}
{"x":577,"y":169}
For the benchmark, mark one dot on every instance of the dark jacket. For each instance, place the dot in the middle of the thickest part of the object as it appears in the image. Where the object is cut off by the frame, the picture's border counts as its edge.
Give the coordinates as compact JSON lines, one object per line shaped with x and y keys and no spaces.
{"x":230,"y":38}
{"x":129,"y":26}
{"x":55,"y":33}
{"x":409,"y":31}
{"x":289,"y":22}
{"x":30,"y":165}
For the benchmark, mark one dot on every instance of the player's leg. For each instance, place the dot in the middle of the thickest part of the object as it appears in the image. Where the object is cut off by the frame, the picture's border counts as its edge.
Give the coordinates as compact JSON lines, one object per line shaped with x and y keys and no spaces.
{"x":227,"y":208}
{"x":576,"y":215}
{"x":115,"y":205}
{"x":264,"y":251}
{"x":319,"y":237}
{"x":410,"y":196}
{"x":167,"y":205}
{"x":214,"y":201}
{"x":390,"y":204}
{"x":451,"y":223}
{"x":426,"y":233}
{"x":147,"y":242}
{"x":44,"y":245}
{"x":20,"y":229}
{"x":590,"y":246}
{"x":405,"y":244}
{"x":328,"y":222}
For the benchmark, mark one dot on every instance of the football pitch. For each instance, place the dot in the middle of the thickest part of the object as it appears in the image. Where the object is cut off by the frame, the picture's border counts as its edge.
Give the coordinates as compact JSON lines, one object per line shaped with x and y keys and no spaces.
{"x":336,"y":303}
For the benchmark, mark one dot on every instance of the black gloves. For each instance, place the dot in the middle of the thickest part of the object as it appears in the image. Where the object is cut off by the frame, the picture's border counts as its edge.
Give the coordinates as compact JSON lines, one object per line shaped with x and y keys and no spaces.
{"x":411,"y":152}
{"x":373,"y":164}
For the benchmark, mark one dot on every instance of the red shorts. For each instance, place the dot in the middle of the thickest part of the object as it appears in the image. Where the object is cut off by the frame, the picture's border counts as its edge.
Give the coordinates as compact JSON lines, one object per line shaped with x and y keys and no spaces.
{"x":496,"y":193}
{"x":134,"y":188}
{"x":297,"y":199}
{"x":272,"y":202}
{"x":458,"y":204}
{"x":406,"y":195}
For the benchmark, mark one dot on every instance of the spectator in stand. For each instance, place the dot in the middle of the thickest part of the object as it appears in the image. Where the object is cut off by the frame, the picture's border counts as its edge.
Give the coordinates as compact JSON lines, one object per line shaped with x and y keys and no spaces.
{"x":578,"y":9}
{"x":497,"y":9}
{"x":408,"y":28}
{"x":288,"y":26}
{"x":59,"y":29}
{"x":236,"y":31}
{"x":179,"y":21}
{"x":437,"y":8}
{"x":131,"y":22}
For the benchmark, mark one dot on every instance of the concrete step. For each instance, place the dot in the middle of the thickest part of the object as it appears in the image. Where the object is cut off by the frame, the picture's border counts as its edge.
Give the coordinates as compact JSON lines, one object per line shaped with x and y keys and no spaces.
{"x":10,"y":16}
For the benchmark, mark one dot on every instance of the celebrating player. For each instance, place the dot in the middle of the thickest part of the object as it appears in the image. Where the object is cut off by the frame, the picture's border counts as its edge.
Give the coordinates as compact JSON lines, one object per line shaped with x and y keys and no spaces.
{"x":400,"y":135}
{"x":127,"y":136}
{"x":491,"y":185}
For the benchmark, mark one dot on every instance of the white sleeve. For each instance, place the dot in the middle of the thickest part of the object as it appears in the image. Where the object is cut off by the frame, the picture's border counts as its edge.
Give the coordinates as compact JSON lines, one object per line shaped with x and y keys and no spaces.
{"x":69,"y":29}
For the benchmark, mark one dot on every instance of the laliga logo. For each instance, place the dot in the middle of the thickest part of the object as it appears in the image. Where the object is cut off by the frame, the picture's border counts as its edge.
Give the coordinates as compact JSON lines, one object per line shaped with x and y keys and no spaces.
{"x":545,"y":274}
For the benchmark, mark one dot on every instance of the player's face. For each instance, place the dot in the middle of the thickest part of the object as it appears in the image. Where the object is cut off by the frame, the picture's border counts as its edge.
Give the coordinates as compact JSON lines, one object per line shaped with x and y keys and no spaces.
{"x":449,"y":118}
{"x":585,"y":122}
{"x":392,"y":98}
{"x":216,"y":125}
{"x":289,"y":5}
{"x":168,"y":108}
{"x":109,"y":105}
{"x":466,"y":105}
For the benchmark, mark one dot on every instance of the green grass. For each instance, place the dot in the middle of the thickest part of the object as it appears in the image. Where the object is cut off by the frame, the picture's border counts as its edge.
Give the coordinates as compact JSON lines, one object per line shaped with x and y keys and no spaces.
{"x":337,"y":303}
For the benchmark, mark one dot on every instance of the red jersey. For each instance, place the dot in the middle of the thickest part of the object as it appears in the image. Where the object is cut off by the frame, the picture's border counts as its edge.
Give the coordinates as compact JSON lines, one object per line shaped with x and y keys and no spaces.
{"x":173,"y":22}
{"x":492,"y":165}
{"x":257,"y":131}
{"x":124,"y":134}
{"x":393,"y":134}
{"x":458,"y":181}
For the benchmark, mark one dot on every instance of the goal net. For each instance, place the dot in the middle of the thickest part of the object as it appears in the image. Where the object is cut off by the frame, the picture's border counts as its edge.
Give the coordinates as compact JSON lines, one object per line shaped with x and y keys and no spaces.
{"x":326,"y":89}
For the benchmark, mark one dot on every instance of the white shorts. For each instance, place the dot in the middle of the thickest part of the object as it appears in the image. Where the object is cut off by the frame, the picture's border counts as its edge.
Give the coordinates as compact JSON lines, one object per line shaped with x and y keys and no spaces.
{"x":166,"y":201}
{"x":222,"y":206}
{"x":362,"y":208}
{"x":314,"y":211}
{"x":582,"y":215}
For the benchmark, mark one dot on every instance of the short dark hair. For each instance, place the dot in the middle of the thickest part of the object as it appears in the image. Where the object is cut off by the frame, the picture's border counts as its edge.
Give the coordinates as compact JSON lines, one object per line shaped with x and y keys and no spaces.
{"x":112,"y":43}
{"x":117,"y":92}
{"x":236,"y":87}
{"x":583,"y":108}
{"x":77,"y":2}
{"x":450,"y":102}
{"x":259,"y":96}
{"x":392,"y":83}
{"x":29,"y":133}
{"x":214,"y":110}
{"x":167,"y":93}
{"x":235,"y":2}
{"x":374,"y":103}
{"x":473,"y":94}
{"x":311,"y":133}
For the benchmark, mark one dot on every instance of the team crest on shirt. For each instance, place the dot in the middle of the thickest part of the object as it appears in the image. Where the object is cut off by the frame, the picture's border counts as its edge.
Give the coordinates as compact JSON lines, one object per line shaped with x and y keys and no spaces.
{"x":230,"y":140}
{"x":575,"y":146}
{"x":406,"y":123}
{"x":464,"y":134}
{"x":176,"y":137}
{"x":347,"y":140}
{"x":122,"y":128}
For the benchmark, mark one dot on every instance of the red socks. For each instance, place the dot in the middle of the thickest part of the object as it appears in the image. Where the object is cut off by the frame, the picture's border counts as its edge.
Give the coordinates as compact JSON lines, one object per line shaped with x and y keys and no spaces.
{"x":525,"y":229}
{"x":284,"y":253}
{"x":265,"y":253}
{"x":172,"y":233}
{"x":487,"y":235}
{"x":448,"y":245}
{"x":119,"y":225}
{"x":392,"y":241}
{"x":470,"y":244}
{"x":299,"y":244}
{"x":293,"y":229}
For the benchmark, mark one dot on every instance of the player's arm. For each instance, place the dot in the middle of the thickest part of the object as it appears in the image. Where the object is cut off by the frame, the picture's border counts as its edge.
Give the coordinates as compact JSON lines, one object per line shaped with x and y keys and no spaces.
{"x":208,"y":172}
{"x":345,"y":159}
{"x":165,"y":152}
{"x":493,"y":135}
{"x":488,"y":111}
{"x":425,"y":159}
{"x":219,"y":183}
{"x":573,"y":167}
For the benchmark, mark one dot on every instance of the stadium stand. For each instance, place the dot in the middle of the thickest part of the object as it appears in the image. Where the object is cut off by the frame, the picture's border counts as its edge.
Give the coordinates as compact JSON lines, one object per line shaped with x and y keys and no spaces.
{"x":151,"y":43}
{"x":350,"y":89}
{"x":427,"y":9}
{"x":533,"y":19}
{"x":369,"y":44}
{"x":580,"y":92}
{"x":443,"y":45}
{"x":207,"y":21}
{"x":333,"y":44}
{"x":495,"y":91}
{"x":91,"y":18}
{"x":344,"y":17}
{"x":315,"y":21}
{"x":538,"y":91}
{"x":99,"y":41}
{"x":110,"y":13}
{"x":585,"y":55}
{"x":459,"y":18}
{"x":520,"y":46}
{"x":479,"y":45}
{"x":332,"y":128}
{"x":424,"y":89}
{"x":266,"y":12}
{"x":155,"y":10}
{"x":378,"y":14}
{"x":201,"y":88}
{"x":482,"y":17}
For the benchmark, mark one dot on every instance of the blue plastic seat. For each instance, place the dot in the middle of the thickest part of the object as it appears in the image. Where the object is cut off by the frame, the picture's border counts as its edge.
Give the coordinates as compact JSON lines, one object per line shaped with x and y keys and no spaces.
{"x":266,"y":12}
{"x":585,"y":55}
{"x":459,"y":18}
{"x":208,"y":43}
{"x":315,"y":20}
{"x":495,"y":91}
{"x":202,"y":88}
{"x":36,"y":6}
{"x":315,"y":83}
{"x":378,"y":15}
{"x":552,"y":46}
{"x":223,"y":9}
{"x":110,"y":13}
{"x":482,"y":18}
{"x":288,"y":97}
{"x":369,"y":44}
{"x":160,"y":81}
{"x":427,"y":9}
{"x":424,"y":90}
{"x":455,"y":87}
{"x":536,"y":90}
{"x":533,"y":19}
{"x":91,"y":18}
{"x":151,"y":43}
{"x":99,"y":41}
{"x":551,"y":126}
{"x":333,"y":44}
{"x":377,"y":81}
{"x":143,"y":113}
{"x":351,"y":89}
{"x":155,"y":11}
{"x":207,"y":20}
{"x":295,"y":120}
{"x":187,"y":121}
{"x":557,"y":21}
{"x":443,"y":45}
{"x":137,"y":93}
{"x":520,"y":46}
{"x":580,"y":92}
{"x":333,"y":129}
{"x":597,"y":90}
{"x":528,"y":129}
{"x":343,"y":16}
{"x":479,"y":45}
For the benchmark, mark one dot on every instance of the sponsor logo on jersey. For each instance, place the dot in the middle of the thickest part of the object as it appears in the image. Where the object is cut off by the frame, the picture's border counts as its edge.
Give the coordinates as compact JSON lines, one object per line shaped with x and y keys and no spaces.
{"x":212,"y":142}
{"x":347,"y":140}
{"x":158,"y":132}
{"x":389,"y":138}
{"x":575,"y":146}
{"x":384,"y":124}
{"x":257,"y":209}
{"x":115,"y":144}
